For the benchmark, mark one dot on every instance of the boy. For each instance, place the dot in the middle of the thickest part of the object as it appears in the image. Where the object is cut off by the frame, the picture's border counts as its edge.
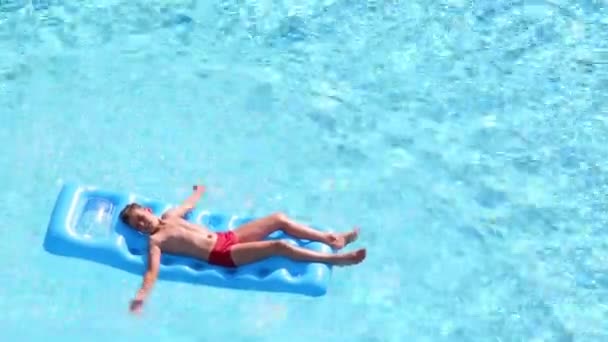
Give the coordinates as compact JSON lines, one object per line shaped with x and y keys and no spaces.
{"x":171,"y":233}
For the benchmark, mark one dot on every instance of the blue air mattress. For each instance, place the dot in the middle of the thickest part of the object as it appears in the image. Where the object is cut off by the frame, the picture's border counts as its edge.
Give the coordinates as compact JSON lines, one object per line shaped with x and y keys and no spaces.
{"x":84,"y":224}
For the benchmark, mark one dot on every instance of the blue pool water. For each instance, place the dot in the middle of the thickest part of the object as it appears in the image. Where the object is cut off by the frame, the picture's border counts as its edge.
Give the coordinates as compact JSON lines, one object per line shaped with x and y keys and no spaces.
{"x":466,"y":138}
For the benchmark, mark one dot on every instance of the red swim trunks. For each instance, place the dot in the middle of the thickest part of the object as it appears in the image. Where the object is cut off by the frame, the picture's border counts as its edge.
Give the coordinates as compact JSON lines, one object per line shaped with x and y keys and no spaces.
{"x":220,"y":254}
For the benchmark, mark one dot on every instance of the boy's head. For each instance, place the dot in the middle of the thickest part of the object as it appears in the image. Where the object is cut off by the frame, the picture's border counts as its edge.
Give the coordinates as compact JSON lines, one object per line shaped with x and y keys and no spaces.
{"x":139,"y":218}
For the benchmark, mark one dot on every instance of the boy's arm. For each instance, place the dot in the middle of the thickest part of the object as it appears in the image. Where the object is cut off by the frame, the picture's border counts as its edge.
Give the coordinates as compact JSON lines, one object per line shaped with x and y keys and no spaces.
{"x":188,"y":204}
{"x":150,"y":277}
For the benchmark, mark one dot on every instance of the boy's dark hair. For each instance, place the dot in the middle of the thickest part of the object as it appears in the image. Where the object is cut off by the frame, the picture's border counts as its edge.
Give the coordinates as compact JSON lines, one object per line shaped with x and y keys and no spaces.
{"x":126,"y":211}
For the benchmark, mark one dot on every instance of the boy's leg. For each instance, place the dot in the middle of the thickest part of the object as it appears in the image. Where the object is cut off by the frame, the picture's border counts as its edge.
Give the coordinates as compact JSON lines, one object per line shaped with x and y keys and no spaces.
{"x":259,"y":229}
{"x":249,"y":252}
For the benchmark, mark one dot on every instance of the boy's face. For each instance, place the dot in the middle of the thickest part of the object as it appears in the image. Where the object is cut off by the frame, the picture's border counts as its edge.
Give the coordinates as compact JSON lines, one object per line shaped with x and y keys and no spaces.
{"x":142,"y":219}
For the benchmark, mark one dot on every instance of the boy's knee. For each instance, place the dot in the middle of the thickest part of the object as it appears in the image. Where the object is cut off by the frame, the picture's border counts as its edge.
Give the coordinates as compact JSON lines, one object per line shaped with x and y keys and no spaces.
{"x":280,"y":246}
{"x":279,"y":217}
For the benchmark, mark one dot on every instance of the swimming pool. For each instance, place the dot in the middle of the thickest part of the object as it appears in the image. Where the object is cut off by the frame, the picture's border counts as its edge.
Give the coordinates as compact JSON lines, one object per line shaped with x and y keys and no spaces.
{"x":466,"y":138}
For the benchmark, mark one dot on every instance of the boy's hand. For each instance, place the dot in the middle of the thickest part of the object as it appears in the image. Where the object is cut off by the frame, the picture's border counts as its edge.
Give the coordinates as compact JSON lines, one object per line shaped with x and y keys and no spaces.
{"x":136,"y":305}
{"x":199,"y":188}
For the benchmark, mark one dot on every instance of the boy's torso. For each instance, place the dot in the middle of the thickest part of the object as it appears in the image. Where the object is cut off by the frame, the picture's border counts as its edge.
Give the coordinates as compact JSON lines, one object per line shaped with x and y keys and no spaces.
{"x":180,"y":237}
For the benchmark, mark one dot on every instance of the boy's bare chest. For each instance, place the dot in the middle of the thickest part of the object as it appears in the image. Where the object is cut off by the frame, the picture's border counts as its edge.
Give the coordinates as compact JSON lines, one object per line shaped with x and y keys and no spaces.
{"x":184,"y":241}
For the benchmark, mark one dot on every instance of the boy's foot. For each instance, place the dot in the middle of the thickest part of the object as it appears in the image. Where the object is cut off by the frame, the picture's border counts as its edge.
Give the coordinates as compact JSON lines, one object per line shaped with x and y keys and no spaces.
{"x":340,"y":240}
{"x":350,"y":258}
